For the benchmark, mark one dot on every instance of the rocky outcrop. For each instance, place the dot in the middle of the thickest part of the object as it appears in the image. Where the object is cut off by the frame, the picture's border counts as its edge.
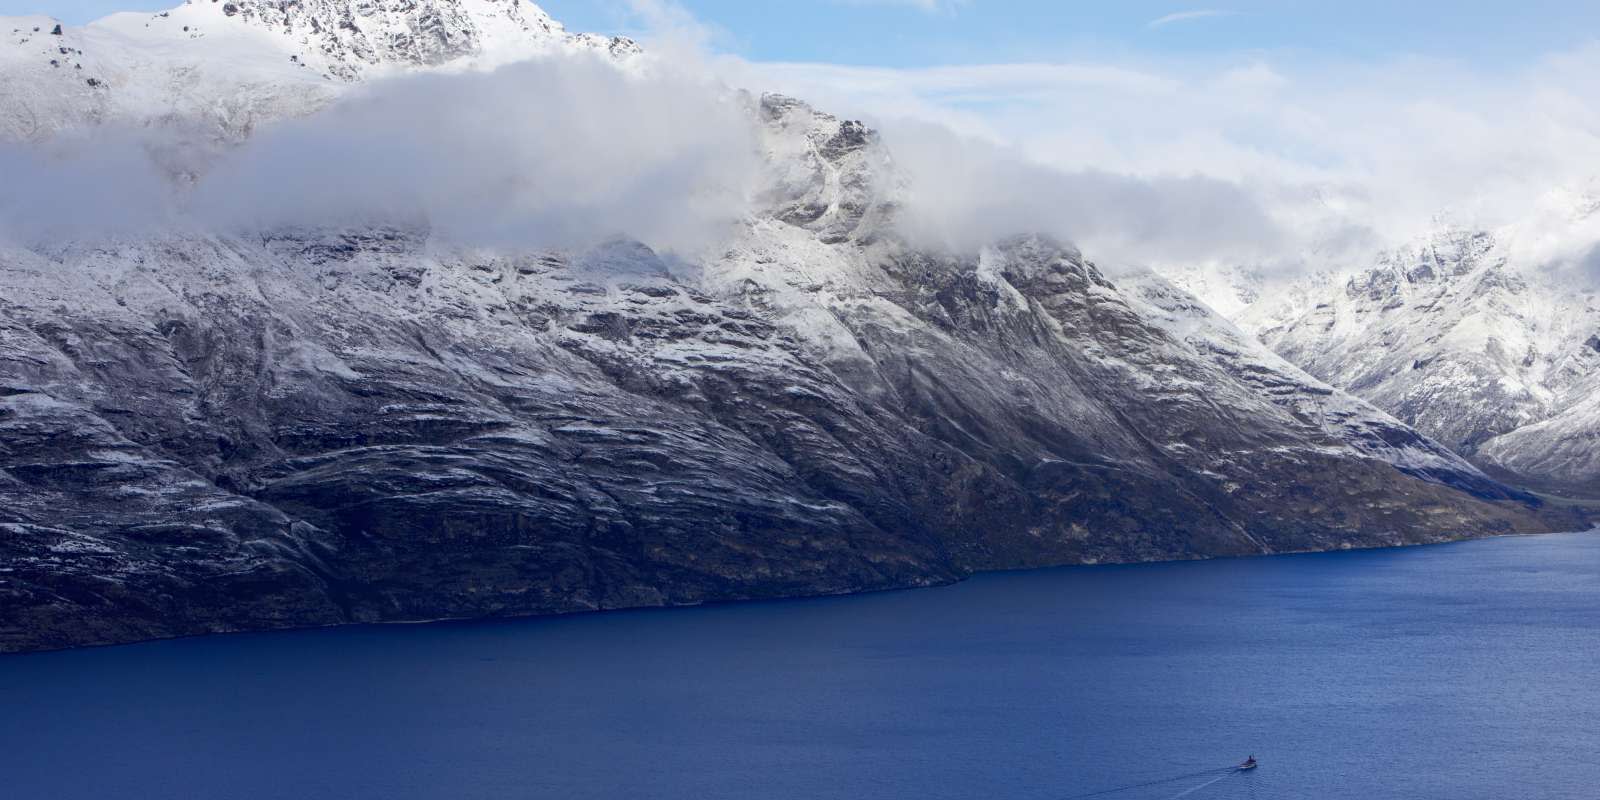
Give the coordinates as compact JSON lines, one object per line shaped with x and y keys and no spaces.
{"x":350,"y":40}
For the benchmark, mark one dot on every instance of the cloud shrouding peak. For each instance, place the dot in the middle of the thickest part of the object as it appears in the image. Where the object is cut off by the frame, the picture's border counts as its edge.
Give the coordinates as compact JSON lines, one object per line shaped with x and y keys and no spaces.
{"x":1345,"y":156}
{"x":1266,"y":160}
{"x":556,"y":152}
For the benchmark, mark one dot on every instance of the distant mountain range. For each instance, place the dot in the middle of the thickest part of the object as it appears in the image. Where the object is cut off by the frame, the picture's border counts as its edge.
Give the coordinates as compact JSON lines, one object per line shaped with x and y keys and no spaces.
{"x":1472,"y":336}
{"x":206,"y":431}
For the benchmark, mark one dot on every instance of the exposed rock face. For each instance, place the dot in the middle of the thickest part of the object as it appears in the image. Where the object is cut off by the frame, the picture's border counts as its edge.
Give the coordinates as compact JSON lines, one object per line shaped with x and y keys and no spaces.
{"x":204,"y":433}
{"x":220,"y":69}
{"x":350,"y":39}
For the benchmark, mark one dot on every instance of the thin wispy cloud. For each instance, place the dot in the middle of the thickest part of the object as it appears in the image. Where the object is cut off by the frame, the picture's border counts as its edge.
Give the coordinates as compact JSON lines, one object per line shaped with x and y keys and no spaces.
{"x":1188,"y":16}
{"x":925,"y":6}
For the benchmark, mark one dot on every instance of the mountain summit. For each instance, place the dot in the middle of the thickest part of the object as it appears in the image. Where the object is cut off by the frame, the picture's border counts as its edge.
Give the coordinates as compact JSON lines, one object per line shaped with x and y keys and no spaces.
{"x":349,"y":40}
{"x":235,"y":64}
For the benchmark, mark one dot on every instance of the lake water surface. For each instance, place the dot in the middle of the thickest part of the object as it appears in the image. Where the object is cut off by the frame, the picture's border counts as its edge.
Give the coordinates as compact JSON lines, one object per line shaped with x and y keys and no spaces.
{"x":1459,"y":671}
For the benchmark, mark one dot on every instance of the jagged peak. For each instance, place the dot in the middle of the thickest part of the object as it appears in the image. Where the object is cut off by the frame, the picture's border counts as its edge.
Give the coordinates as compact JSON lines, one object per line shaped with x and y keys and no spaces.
{"x":1448,"y":250}
{"x":353,"y":39}
{"x":833,"y":136}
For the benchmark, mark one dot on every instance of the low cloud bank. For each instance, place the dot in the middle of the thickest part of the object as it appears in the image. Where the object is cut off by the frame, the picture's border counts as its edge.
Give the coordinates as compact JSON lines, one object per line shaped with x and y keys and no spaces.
{"x":562,"y":152}
{"x":966,"y":192}
{"x":94,"y":184}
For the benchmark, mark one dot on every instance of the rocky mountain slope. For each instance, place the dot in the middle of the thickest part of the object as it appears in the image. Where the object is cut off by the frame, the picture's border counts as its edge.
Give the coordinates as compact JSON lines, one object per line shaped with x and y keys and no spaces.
{"x":1465,"y":338}
{"x":204,"y":432}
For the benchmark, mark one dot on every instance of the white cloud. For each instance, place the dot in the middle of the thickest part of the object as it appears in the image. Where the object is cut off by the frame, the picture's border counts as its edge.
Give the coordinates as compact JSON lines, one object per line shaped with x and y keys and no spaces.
{"x":1187,"y":16}
{"x":559,"y":152}
{"x":966,"y":193}
{"x":103,"y":182}
{"x":672,"y":34}
{"x":553,"y":152}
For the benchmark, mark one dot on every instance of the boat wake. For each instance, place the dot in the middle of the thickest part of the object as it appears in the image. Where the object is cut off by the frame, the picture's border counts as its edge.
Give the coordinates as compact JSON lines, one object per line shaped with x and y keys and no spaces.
{"x":1216,"y":775}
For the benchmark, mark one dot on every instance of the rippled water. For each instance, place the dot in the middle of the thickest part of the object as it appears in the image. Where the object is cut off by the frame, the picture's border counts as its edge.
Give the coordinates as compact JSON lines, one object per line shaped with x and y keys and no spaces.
{"x":1460,"y":671}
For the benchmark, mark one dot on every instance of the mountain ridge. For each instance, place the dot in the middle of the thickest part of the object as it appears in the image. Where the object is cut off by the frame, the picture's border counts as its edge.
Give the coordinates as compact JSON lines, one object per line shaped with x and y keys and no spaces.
{"x":208,"y":431}
{"x":1463,"y":336}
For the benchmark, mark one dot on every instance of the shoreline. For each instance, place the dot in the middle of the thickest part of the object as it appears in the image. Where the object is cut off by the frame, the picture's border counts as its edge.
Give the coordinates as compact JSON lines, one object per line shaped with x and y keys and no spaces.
{"x":475,"y":620}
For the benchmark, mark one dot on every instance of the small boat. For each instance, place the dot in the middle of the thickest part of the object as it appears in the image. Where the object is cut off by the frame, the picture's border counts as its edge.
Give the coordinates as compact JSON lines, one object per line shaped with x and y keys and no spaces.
{"x":1249,"y":763}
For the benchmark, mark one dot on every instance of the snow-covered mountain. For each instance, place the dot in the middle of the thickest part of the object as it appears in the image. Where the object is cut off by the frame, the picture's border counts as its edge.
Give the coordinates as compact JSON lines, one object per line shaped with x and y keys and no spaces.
{"x":229,"y":65}
{"x":1466,"y":334}
{"x":204,"y":431}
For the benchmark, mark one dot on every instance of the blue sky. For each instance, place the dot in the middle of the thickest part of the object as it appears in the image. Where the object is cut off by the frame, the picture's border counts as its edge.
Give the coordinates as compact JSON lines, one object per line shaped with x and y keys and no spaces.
{"x":905,"y":33}
{"x":928,"y":32}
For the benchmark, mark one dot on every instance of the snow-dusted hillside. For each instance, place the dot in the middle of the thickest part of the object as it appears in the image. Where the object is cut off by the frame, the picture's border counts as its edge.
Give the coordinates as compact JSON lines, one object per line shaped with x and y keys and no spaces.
{"x":207,"y":431}
{"x":1464,"y":334}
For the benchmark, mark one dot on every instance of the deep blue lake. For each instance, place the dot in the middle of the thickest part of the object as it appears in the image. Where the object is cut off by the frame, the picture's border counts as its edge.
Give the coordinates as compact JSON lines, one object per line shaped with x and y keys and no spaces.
{"x":1460,"y":671}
